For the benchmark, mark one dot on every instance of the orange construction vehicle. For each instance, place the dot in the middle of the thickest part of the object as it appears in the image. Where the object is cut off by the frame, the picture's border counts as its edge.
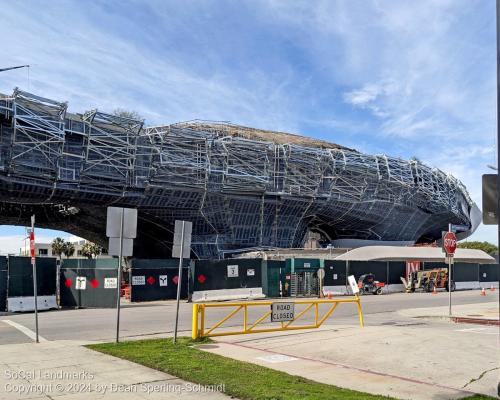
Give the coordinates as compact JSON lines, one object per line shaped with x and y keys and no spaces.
{"x":428,"y":280}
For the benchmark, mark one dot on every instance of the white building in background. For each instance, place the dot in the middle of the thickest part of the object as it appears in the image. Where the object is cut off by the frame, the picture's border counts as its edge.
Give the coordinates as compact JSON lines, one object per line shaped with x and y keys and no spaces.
{"x":45,"y":250}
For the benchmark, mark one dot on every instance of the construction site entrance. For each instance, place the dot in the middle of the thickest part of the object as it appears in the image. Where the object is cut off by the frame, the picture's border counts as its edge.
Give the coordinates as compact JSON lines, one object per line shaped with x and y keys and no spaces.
{"x":304,"y":284}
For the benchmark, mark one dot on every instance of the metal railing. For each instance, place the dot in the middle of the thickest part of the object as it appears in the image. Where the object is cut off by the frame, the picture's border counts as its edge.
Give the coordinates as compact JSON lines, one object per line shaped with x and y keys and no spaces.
{"x":200,"y":330}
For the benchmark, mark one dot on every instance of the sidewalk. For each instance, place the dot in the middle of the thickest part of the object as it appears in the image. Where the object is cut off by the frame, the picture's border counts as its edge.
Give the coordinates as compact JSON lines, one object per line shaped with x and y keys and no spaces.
{"x":485,"y":312}
{"x":406,"y":359}
{"x":66,"y":370}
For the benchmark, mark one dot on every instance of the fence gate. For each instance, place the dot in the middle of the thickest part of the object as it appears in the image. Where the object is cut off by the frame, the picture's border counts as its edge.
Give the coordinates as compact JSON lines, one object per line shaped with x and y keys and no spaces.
{"x":304,"y":284}
{"x":88,"y":287}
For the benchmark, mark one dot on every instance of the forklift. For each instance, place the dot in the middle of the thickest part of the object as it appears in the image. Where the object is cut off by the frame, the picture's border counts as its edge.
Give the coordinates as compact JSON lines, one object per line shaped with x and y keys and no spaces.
{"x":427,"y":280}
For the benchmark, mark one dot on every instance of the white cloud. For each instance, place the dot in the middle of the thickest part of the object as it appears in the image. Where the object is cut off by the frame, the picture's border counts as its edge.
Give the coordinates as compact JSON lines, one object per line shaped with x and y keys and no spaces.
{"x":90,"y":67}
{"x":419,"y":77}
{"x":369,"y":93}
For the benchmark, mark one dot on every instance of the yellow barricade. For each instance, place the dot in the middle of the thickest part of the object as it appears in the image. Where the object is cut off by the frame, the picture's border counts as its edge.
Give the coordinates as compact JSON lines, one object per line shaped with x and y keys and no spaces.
{"x":200,"y":330}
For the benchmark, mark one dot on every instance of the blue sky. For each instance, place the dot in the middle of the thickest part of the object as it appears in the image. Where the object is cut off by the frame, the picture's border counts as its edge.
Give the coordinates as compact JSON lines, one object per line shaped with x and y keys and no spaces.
{"x":403,"y":78}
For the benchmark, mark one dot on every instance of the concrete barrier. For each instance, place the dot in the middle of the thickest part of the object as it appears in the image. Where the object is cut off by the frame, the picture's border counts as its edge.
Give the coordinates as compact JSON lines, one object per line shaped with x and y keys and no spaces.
{"x":20,"y":304}
{"x":228,"y":294}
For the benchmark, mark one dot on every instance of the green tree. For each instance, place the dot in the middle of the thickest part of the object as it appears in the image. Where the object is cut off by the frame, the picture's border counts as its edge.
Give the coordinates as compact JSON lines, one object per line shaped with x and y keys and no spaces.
{"x":120,"y":112}
{"x":91,"y":250}
{"x":58,"y":247}
{"x":487,"y":247}
{"x":69,"y":249}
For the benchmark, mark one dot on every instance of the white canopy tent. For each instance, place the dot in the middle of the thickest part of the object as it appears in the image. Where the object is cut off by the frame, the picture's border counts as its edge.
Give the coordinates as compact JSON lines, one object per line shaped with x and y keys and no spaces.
{"x":425,"y":254}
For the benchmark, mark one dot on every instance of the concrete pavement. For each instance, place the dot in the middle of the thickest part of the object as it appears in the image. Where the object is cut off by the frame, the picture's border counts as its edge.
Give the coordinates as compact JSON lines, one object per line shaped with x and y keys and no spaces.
{"x":66,"y":370}
{"x":149,"y":320}
{"x":488,"y":311}
{"x":395,"y":355}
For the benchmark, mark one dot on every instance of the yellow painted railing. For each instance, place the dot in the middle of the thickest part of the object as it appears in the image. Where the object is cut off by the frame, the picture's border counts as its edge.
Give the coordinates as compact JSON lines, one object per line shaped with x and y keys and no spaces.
{"x":200,"y":330}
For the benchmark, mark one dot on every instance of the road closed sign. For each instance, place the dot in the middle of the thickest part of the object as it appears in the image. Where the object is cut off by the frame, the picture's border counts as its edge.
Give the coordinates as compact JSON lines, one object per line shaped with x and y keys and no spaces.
{"x":281,"y":311}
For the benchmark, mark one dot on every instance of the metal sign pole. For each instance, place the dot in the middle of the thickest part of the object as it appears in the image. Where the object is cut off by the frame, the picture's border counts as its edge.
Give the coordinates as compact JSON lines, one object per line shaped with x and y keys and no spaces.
{"x":179,"y":282}
{"x":33,"y":262}
{"x":449,"y":278}
{"x":119,"y":278}
{"x":498,"y":129}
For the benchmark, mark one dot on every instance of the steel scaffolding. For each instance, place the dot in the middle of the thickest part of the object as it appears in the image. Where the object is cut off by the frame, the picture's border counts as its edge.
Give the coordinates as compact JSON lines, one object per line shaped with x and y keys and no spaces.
{"x":242,"y":187}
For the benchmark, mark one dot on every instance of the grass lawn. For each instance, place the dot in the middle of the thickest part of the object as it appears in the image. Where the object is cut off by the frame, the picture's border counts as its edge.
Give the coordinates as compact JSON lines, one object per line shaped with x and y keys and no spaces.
{"x":242,"y":380}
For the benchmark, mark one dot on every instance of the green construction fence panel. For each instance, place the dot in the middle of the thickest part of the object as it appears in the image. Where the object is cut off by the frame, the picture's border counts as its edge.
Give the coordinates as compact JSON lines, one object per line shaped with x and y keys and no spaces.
{"x":20,"y":273}
{"x":88,"y":287}
{"x":227,"y":274}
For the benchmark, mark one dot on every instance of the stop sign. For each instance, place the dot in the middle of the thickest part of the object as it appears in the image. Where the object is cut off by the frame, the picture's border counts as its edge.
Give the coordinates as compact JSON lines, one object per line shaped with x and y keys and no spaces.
{"x":450,"y":243}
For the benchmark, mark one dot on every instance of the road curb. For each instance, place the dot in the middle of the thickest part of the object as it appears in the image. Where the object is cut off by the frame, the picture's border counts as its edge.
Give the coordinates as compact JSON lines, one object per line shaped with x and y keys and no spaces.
{"x":479,"y":321}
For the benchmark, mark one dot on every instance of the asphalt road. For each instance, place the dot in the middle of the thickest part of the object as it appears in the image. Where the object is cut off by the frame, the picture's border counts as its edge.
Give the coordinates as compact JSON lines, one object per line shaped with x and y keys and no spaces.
{"x":149,"y":319}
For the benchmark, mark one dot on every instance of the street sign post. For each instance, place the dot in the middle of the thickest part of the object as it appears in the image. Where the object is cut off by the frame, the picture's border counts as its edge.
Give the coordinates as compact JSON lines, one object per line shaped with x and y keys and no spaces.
{"x":181,"y":249}
{"x":121,"y":228}
{"x":449,"y":247}
{"x":33,"y":263}
{"x":321,"y":276}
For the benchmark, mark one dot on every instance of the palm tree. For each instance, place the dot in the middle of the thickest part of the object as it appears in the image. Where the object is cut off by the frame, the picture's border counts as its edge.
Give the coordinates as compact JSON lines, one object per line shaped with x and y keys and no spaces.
{"x":58,"y":247}
{"x":91,"y":250}
{"x":68,"y":249}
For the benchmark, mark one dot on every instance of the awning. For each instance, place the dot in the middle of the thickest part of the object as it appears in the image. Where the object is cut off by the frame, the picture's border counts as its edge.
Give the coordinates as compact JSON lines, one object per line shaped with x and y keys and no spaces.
{"x":400,"y":253}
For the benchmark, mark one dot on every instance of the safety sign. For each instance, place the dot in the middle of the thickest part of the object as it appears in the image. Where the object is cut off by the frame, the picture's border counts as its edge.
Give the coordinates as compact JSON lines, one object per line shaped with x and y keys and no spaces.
{"x":138,"y":280}
{"x":81,"y":283}
{"x":232,"y":271}
{"x":163,"y":279}
{"x":110,"y":283}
